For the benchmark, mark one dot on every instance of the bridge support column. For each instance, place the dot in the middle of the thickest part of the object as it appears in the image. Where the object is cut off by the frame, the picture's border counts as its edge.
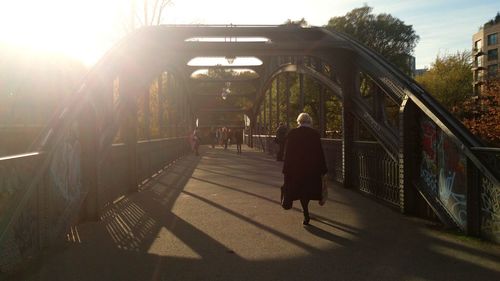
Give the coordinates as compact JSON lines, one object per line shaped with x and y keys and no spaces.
{"x":129,"y":130}
{"x":349,"y":81}
{"x":89,"y":164}
{"x":408,"y":157}
{"x":322,"y":111}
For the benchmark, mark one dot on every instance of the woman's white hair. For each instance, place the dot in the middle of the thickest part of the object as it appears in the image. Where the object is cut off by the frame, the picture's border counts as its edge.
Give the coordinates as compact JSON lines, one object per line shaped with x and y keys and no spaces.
{"x":304,"y":118}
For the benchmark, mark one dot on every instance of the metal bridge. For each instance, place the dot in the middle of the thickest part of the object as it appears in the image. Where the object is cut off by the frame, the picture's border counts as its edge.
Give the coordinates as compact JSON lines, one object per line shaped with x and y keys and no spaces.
{"x":130,"y":118}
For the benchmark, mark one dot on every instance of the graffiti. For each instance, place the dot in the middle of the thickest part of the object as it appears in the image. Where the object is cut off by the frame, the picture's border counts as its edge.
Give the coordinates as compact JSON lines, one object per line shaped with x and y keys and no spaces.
{"x":443,"y":171}
{"x":428,"y":169}
{"x":490,"y":209}
{"x":429,"y":139}
{"x":452,"y":178}
{"x":428,"y":177}
{"x":65,"y":168}
{"x":19,"y":239}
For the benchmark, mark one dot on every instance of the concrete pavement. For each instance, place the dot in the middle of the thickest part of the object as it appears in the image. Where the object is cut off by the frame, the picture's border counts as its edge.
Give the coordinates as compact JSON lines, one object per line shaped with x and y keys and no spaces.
{"x":217,"y":217}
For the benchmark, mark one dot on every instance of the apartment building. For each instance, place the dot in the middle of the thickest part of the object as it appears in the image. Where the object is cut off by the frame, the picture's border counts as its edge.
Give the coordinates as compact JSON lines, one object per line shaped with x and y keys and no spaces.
{"x":485,"y":54}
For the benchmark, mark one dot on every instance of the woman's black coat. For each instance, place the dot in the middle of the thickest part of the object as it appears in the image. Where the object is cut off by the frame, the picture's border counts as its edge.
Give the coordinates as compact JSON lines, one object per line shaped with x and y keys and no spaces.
{"x":304,"y":164}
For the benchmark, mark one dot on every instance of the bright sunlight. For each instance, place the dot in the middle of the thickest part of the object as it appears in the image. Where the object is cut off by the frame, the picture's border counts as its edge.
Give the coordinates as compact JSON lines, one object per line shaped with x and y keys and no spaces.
{"x":78,"y":29}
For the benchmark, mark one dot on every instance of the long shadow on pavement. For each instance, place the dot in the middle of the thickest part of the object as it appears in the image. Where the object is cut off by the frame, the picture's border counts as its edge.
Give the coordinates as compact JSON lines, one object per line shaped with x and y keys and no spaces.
{"x":193,"y":224}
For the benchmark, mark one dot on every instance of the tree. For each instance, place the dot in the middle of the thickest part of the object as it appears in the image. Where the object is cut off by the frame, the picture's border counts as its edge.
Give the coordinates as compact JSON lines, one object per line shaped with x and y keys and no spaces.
{"x":481,"y":115}
{"x":302,"y":22}
{"x":493,"y":21}
{"x":449,"y":79}
{"x":147,"y":14}
{"x":387,"y":35}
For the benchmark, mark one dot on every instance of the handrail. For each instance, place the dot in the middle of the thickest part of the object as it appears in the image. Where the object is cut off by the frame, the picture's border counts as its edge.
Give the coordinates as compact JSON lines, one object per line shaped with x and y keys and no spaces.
{"x":16,"y":156}
{"x":486,"y":149}
{"x":427,"y":104}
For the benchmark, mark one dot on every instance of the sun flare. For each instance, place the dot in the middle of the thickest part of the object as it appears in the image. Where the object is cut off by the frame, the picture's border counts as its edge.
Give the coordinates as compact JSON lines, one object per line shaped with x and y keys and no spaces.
{"x":68,"y":27}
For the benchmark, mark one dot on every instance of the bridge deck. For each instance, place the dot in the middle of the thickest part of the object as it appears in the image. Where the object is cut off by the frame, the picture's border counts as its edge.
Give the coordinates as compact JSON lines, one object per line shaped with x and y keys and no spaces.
{"x":217,"y":217}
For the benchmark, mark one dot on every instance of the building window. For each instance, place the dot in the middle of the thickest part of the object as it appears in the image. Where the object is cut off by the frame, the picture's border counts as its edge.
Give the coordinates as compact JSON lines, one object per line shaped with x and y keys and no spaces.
{"x":478,"y":45}
{"x":478,"y":62}
{"x":492,"y":70}
{"x":493,"y":54}
{"x":492,"y":39}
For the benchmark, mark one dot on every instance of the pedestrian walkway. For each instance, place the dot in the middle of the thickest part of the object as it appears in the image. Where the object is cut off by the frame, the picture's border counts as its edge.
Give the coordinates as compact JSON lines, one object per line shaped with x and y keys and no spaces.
{"x":217,"y":217}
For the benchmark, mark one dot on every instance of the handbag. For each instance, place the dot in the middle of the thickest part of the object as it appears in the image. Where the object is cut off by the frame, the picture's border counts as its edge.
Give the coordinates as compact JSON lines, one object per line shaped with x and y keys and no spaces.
{"x":324,"y":191}
{"x":286,"y":203}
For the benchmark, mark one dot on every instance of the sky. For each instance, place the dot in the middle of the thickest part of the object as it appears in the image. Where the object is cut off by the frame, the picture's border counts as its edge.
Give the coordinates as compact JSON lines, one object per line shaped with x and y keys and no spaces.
{"x":85,"y":29}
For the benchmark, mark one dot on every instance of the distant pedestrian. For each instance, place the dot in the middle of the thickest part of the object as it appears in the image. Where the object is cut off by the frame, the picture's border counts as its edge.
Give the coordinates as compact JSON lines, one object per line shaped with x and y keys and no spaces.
{"x":280,"y":140}
{"x":304,"y":164}
{"x":213,"y":137}
{"x":219,"y":136}
{"x":230,"y":136}
{"x":238,"y":138}
{"x":195,"y":141}
{"x":225,"y":136}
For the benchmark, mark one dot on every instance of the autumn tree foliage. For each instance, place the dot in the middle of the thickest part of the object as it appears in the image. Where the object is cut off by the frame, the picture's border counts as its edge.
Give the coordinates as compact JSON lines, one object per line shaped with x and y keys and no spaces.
{"x":449,"y":79}
{"x":481,"y":115}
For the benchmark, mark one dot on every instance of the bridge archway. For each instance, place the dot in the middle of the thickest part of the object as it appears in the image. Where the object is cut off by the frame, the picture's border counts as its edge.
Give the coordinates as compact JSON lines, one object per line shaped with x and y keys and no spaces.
{"x":419,"y":151}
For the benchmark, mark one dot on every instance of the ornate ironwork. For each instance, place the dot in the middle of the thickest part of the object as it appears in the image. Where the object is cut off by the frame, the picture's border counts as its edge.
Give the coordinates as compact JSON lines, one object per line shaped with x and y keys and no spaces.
{"x":376,"y":172}
{"x":333,"y":157}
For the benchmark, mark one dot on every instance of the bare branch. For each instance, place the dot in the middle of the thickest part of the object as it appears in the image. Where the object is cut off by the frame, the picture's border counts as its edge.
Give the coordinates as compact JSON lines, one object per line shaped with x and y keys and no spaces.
{"x":145,"y":11}
{"x":163,"y":5}
{"x":154,"y":12}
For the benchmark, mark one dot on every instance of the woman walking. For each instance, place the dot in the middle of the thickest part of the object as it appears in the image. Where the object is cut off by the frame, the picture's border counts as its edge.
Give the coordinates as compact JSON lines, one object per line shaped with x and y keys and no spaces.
{"x":304,"y":164}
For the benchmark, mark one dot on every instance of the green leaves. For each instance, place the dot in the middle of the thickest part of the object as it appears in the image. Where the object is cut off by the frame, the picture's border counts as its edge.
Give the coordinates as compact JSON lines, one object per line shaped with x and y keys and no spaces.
{"x":387,"y":35}
{"x":449,"y":79}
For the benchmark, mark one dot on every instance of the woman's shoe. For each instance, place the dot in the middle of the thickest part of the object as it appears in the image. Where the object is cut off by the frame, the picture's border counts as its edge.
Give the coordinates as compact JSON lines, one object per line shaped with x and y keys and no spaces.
{"x":306,"y":221}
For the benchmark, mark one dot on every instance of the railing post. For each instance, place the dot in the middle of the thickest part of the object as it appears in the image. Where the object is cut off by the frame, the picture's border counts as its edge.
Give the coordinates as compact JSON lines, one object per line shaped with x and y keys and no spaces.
{"x":270,"y":111}
{"x":264,"y":122}
{"x":301,"y":92}
{"x":277,"y":99}
{"x":473,"y":200}
{"x":253,"y":121}
{"x":322,"y":107}
{"x":161,"y":101}
{"x":147,"y":114}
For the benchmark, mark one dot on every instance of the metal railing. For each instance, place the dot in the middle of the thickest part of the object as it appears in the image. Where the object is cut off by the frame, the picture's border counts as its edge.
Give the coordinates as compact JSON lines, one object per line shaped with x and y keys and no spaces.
{"x":41,"y":197}
{"x":265,"y":143}
{"x":376,"y":173}
{"x":333,"y":158}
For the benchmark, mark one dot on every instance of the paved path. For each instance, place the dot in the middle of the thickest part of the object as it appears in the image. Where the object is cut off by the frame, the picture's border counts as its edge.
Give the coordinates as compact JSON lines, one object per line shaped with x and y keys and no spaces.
{"x":217,"y":217}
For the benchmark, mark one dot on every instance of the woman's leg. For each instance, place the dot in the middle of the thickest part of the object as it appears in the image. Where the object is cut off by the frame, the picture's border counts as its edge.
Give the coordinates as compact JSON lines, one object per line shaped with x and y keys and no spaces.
{"x":305,"y":210}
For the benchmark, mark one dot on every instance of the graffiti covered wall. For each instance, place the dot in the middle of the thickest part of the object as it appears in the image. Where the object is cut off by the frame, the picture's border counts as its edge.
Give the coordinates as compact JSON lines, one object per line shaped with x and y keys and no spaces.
{"x":443,"y":170}
{"x":490,"y":210}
